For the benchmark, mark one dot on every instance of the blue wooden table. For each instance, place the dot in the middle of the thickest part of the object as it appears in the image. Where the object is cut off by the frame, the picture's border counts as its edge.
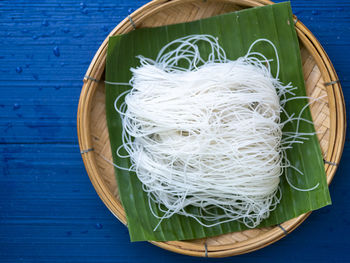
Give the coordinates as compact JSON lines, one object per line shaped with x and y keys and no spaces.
{"x":49,"y":211}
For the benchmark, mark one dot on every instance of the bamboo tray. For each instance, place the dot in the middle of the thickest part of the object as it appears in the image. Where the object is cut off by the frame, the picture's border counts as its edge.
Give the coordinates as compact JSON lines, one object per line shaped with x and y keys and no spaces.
{"x":320,"y":78}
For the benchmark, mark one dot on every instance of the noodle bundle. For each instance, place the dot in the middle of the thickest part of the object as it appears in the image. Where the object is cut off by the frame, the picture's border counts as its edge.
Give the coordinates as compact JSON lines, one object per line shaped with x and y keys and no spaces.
{"x":206,"y":132}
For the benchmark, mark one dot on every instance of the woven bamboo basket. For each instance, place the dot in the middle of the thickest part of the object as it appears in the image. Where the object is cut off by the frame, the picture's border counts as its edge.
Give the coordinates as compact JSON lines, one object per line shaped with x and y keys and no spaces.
{"x":320,"y":78}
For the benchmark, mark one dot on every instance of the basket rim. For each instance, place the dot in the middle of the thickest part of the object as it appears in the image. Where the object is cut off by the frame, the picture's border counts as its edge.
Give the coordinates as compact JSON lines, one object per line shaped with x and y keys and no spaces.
{"x":95,"y":70}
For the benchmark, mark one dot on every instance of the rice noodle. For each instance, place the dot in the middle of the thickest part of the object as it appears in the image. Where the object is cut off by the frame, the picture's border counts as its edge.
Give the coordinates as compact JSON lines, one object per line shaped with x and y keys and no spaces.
{"x":206,"y":132}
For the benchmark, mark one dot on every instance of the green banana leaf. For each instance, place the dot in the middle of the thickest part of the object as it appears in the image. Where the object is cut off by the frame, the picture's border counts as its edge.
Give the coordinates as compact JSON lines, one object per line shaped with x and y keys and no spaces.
{"x":236,"y":32}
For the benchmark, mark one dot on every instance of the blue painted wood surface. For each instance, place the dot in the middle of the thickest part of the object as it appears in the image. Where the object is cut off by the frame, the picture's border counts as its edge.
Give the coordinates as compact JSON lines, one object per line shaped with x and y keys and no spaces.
{"x":49,"y":211}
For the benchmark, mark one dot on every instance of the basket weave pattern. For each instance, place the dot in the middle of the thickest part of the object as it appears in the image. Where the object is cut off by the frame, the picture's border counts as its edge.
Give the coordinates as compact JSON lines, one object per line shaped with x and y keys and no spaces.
{"x":328,"y":114}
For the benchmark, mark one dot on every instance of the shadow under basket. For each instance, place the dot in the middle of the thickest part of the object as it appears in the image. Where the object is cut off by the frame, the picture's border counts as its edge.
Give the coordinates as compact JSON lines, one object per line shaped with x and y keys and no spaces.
{"x":320,"y":78}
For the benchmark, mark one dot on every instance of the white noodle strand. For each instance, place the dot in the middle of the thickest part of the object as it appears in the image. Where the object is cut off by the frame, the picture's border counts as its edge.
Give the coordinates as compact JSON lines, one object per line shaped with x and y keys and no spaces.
{"x":206,"y":132}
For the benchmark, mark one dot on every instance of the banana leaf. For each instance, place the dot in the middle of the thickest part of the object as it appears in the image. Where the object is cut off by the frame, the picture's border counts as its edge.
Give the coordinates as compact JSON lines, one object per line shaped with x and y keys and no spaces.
{"x":235,"y":32}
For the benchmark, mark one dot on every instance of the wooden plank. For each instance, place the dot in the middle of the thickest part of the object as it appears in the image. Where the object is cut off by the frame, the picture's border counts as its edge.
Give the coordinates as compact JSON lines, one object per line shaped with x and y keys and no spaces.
{"x":49,"y":211}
